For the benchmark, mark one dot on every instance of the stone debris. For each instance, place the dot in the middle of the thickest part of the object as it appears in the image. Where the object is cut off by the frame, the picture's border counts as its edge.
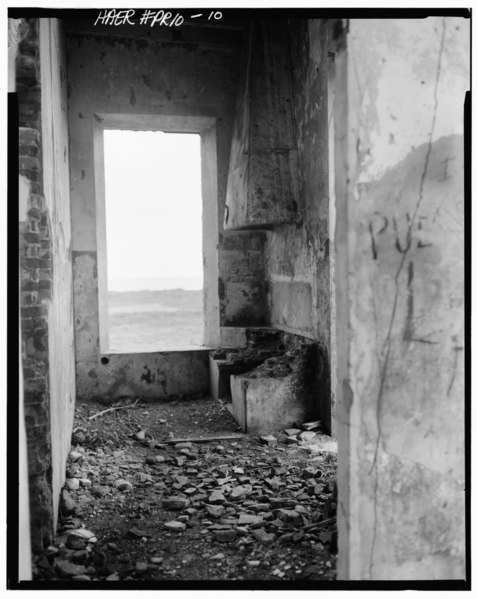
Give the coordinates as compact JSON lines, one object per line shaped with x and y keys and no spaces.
{"x":75,"y":542}
{"x":68,"y":569}
{"x":218,"y":556}
{"x":73,"y":484}
{"x":123,"y":485}
{"x":291,"y":432}
{"x":262,"y":503}
{"x":268,"y":440}
{"x":307,"y":436}
{"x":67,"y":503}
{"x":138,"y":533}
{"x":216,"y":497}
{"x":262,"y":536}
{"x":311,"y":426}
{"x":225,"y":536}
{"x":249,"y":519}
{"x":175,"y":526}
{"x":175,"y":503}
{"x":75,"y":456}
{"x":141,"y":567}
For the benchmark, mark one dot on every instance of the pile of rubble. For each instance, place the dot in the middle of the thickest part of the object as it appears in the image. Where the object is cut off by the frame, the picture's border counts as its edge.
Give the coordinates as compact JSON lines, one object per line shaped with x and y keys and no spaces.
{"x":239,"y":508}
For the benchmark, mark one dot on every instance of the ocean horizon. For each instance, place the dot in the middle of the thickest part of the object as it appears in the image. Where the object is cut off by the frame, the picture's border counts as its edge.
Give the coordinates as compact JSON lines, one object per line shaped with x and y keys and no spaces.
{"x":155,"y":284}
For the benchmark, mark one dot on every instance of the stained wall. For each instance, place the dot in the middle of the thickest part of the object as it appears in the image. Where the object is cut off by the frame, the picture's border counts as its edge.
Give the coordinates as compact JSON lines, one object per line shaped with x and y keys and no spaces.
{"x":132,"y":72}
{"x":45,"y":269}
{"x":399,"y":87}
{"x":298,"y":254}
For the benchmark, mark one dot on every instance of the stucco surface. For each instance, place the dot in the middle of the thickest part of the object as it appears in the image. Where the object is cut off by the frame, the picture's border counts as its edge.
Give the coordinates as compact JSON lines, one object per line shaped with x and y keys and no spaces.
{"x":402,"y":418}
{"x":138,"y":77}
{"x":57,"y":197}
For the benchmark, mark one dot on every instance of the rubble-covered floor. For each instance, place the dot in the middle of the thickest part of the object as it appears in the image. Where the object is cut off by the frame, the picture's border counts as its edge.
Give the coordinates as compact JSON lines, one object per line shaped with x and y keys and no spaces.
{"x":141,"y":507}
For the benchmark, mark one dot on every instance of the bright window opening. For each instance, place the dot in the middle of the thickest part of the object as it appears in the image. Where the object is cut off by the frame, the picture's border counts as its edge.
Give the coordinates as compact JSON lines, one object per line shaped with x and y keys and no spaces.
{"x":153,"y":240}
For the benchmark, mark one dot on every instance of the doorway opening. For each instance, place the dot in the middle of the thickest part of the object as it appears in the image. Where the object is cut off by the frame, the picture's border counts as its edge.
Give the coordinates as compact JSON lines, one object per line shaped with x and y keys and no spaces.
{"x":153,"y":213}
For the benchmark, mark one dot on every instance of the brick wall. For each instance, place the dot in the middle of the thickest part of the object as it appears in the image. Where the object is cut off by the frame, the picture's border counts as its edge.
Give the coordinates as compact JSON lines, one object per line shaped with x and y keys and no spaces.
{"x":35,"y":288}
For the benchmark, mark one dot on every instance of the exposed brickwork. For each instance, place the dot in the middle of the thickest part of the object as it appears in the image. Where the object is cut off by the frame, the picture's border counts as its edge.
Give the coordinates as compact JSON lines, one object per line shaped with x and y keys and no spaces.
{"x":35,"y":291}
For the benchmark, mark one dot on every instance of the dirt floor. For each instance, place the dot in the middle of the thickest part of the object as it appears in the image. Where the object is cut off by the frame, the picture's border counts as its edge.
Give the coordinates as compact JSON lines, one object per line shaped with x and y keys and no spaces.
{"x":139,"y":505}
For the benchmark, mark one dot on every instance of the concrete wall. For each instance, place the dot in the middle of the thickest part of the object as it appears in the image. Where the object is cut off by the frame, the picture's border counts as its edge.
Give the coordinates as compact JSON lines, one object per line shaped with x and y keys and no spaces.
{"x":15,"y":33}
{"x":56,"y":189}
{"x":45,"y":270}
{"x":298,"y":255}
{"x":138,"y":75}
{"x":398,"y":152}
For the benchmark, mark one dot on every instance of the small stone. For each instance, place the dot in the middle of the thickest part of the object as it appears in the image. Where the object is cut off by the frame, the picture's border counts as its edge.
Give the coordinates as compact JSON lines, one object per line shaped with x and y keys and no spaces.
{"x":113,"y":577}
{"x":184,"y":518}
{"x":215,"y":511}
{"x":67,"y":503}
{"x":249,"y":519}
{"x":100,"y":490}
{"x":190,"y":490}
{"x":156,"y":560}
{"x":268,"y":440}
{"x":52,"y":550}
{"x":240,"y":491}
{"x":75,"y":542}
{"x":84,"y":533}
{"x":292,"y":431}
{"x":85,"y":482}
{"x":180,"y":481}
{"x":175,"y":526}
{"x":216,"y":497}
{"x":293,"y":440}
{"x":309,"y":472}
{"x":68,"y":569}
{"x":288,"y":515}
{"x":263,"y":536}
{"x":141,"y":567}
{"x":140,"y":435}
{"x":183,"y":445}
{"x":311,"y":426}
{"x":307,"y":436}
{"x":273,"y":483}
{"x":72,"y":484}
{"x":253,"y":563}
{"x":175,"y":502}
{"x":218,"y":556}
{"x":220,"y":449}
{"x":75,"y":456}
{"x":138,"y":533}
{"x":123,"y":485}
{"x":225,"y":536}
{"x":80,"y":577}
{"x":238,"y":470}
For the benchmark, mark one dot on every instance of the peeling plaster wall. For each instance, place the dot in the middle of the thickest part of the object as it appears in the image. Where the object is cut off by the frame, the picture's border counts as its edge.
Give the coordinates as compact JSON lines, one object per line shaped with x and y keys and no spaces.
{"x":56,"y":185}
{"x":399,"y":145}
{"x":45,"y":269}
{"x":298,"y":255}
{"x":137,"y":76}
{"x":243,"y":285}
